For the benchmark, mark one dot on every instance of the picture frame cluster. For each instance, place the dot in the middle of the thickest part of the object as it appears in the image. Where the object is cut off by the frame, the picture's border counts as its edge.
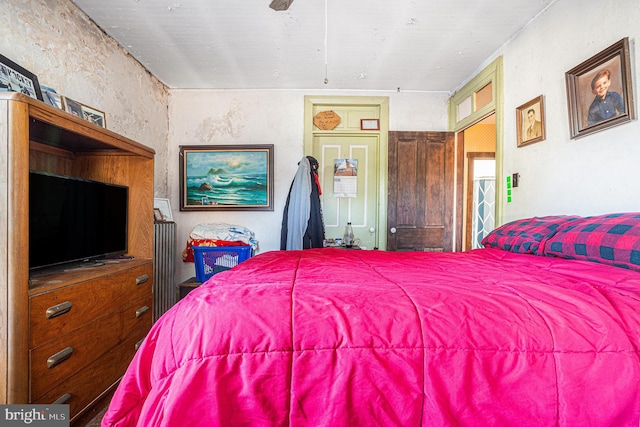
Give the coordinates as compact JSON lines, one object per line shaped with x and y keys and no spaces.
{"x":599,"y":96}
{"x":83,"y":111}
{"x":14,"y":78}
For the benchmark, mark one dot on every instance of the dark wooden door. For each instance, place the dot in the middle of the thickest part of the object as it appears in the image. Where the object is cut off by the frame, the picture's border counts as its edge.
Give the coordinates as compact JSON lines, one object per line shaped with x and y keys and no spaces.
{"x":422,"y":192}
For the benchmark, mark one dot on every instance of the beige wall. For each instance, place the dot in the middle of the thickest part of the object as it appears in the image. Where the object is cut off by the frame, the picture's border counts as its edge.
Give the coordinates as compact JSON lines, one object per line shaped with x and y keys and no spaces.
{"x":66,"y":51}
{"x":209,"y":117}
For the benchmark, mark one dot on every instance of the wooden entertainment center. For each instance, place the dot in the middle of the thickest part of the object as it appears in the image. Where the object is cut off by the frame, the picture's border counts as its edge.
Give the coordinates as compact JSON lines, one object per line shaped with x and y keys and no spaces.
{"x":67,"y":335}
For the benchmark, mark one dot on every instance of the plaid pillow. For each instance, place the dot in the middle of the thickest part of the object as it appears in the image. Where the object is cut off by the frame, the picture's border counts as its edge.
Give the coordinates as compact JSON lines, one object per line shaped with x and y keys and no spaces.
{"x":526,"y":236}
{"x":609,"y":239}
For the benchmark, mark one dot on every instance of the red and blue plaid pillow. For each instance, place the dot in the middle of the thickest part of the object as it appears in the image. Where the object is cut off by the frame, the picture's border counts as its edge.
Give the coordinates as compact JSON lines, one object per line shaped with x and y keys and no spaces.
{"x":609,"y":239}
{"x":526,"y":236}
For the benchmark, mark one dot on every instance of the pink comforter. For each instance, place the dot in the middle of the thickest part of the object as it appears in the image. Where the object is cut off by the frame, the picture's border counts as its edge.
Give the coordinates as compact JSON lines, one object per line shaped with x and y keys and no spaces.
{"x":331,"y":337}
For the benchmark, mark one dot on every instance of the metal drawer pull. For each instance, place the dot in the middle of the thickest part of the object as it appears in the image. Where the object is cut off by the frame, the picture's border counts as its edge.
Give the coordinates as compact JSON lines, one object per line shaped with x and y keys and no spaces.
{"x":138,"y":344}
{"x":59,"y":357}
{"x":62,"y":399}
{"x":141,"y":311}
{"x":142,"y":279}
{"x":59,"y":309}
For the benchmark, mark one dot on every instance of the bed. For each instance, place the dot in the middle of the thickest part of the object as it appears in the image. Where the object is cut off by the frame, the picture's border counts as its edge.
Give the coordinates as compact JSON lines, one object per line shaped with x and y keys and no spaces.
{"x":539,"y":328}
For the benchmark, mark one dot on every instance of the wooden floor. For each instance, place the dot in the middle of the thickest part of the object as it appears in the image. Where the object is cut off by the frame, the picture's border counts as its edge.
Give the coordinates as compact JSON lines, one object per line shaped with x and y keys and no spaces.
{"x":95,"y":422}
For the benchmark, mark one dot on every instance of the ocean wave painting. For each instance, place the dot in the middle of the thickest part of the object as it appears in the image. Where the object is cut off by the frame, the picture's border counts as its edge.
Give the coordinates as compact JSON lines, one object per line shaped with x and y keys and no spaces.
{"x":215,"y":177}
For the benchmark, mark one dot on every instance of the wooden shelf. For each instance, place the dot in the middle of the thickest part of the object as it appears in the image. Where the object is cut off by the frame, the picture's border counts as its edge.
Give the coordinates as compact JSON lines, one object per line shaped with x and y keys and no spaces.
{"x":37,"y":136}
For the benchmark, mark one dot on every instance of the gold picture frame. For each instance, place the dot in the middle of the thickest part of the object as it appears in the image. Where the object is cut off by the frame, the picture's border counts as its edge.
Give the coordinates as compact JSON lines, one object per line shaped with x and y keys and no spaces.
{"x":226,"y":177}
{"x":530,"y":122}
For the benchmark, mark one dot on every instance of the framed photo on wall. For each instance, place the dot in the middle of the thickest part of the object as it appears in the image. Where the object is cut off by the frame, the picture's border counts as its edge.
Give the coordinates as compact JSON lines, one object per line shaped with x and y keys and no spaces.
{"x":370,"y":124}
{"x":599,"y":91}
{"x":226,"y":177}
{"x":14,"y":78}
{"x":530,"y":125}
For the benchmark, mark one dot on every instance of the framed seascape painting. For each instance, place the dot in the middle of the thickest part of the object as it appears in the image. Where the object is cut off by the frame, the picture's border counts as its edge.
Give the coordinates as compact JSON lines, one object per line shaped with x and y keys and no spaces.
{"x":226,"y":177}
{"x":599,"y":91}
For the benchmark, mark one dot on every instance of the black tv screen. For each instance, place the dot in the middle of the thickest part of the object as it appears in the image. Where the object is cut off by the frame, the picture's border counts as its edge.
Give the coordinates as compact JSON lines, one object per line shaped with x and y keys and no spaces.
{"x":72,"y":219}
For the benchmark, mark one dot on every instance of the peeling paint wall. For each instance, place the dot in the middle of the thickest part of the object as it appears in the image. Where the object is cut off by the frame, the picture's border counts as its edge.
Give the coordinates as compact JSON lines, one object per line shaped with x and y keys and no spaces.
{"x":58,"y":43}
{"x":67,"y":51}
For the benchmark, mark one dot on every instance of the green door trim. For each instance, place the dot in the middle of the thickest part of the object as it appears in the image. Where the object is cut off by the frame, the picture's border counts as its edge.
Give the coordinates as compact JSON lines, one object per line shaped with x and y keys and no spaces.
{"x":491,"y":73}
{"x":382,"y":102}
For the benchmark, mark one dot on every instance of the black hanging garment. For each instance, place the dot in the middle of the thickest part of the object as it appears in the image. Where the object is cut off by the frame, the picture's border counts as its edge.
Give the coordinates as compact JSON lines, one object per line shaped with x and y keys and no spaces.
{"x":302,"y":223}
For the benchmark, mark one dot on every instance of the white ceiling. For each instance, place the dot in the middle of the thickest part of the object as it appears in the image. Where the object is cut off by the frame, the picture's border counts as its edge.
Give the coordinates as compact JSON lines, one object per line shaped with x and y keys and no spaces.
{"x":414,"y":45}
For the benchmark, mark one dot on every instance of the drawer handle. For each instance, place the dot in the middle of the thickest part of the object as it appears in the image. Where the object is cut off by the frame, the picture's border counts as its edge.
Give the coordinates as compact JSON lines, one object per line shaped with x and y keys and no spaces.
{"x":62,"y":399}
{"x":58,"y":310}
{"x":142,"y":279}
{"x":138,"y":344}
{"x":59,"y":357}
{"x":141,"y":311}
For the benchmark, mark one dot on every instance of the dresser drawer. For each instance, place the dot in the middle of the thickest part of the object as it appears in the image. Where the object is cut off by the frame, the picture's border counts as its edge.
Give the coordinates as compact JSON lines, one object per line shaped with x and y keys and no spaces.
{"x":58,"y":312}
{"x":80,"y":389}
{"x":60,"y":358}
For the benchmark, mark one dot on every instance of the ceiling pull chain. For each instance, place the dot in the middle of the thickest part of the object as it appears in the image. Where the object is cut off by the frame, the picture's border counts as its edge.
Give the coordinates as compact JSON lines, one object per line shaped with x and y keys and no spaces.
{"x":326,"y":53}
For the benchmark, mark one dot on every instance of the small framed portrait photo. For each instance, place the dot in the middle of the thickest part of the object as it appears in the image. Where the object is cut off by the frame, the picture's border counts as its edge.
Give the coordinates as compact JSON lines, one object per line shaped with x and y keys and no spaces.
{"x":599,"y":91}
{"x":530,"y":126}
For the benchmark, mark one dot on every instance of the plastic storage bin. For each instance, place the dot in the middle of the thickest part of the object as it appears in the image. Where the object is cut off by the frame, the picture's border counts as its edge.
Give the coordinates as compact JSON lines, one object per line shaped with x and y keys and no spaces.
{"x":210,"y":260}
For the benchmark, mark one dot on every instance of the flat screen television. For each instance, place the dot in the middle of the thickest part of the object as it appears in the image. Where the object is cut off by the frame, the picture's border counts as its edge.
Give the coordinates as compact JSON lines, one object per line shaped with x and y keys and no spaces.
{"x":72,"y":220}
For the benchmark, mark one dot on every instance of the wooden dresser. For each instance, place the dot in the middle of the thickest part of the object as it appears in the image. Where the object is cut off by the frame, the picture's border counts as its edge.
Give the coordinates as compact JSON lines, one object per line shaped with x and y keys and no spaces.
{"x":68,"y":334}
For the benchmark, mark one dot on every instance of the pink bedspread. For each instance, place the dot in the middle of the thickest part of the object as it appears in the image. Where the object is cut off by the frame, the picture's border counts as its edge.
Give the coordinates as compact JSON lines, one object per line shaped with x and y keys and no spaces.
{"x":331,"y":337}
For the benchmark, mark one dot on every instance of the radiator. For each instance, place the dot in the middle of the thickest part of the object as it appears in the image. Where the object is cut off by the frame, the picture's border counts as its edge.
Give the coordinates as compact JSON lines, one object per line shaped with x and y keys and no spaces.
{"x":165,"y":293}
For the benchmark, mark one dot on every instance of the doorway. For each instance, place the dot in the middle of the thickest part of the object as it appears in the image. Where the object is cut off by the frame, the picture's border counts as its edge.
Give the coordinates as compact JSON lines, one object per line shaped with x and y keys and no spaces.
{"x":360,"y":198}
{"x":479,"y":142}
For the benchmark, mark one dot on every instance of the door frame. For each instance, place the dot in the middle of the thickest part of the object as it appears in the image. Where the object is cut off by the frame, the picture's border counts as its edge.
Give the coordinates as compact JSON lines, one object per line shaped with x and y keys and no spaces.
{"x":382,"y":103}
{"x":468,"y":210}
{"x":492,"y":73}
